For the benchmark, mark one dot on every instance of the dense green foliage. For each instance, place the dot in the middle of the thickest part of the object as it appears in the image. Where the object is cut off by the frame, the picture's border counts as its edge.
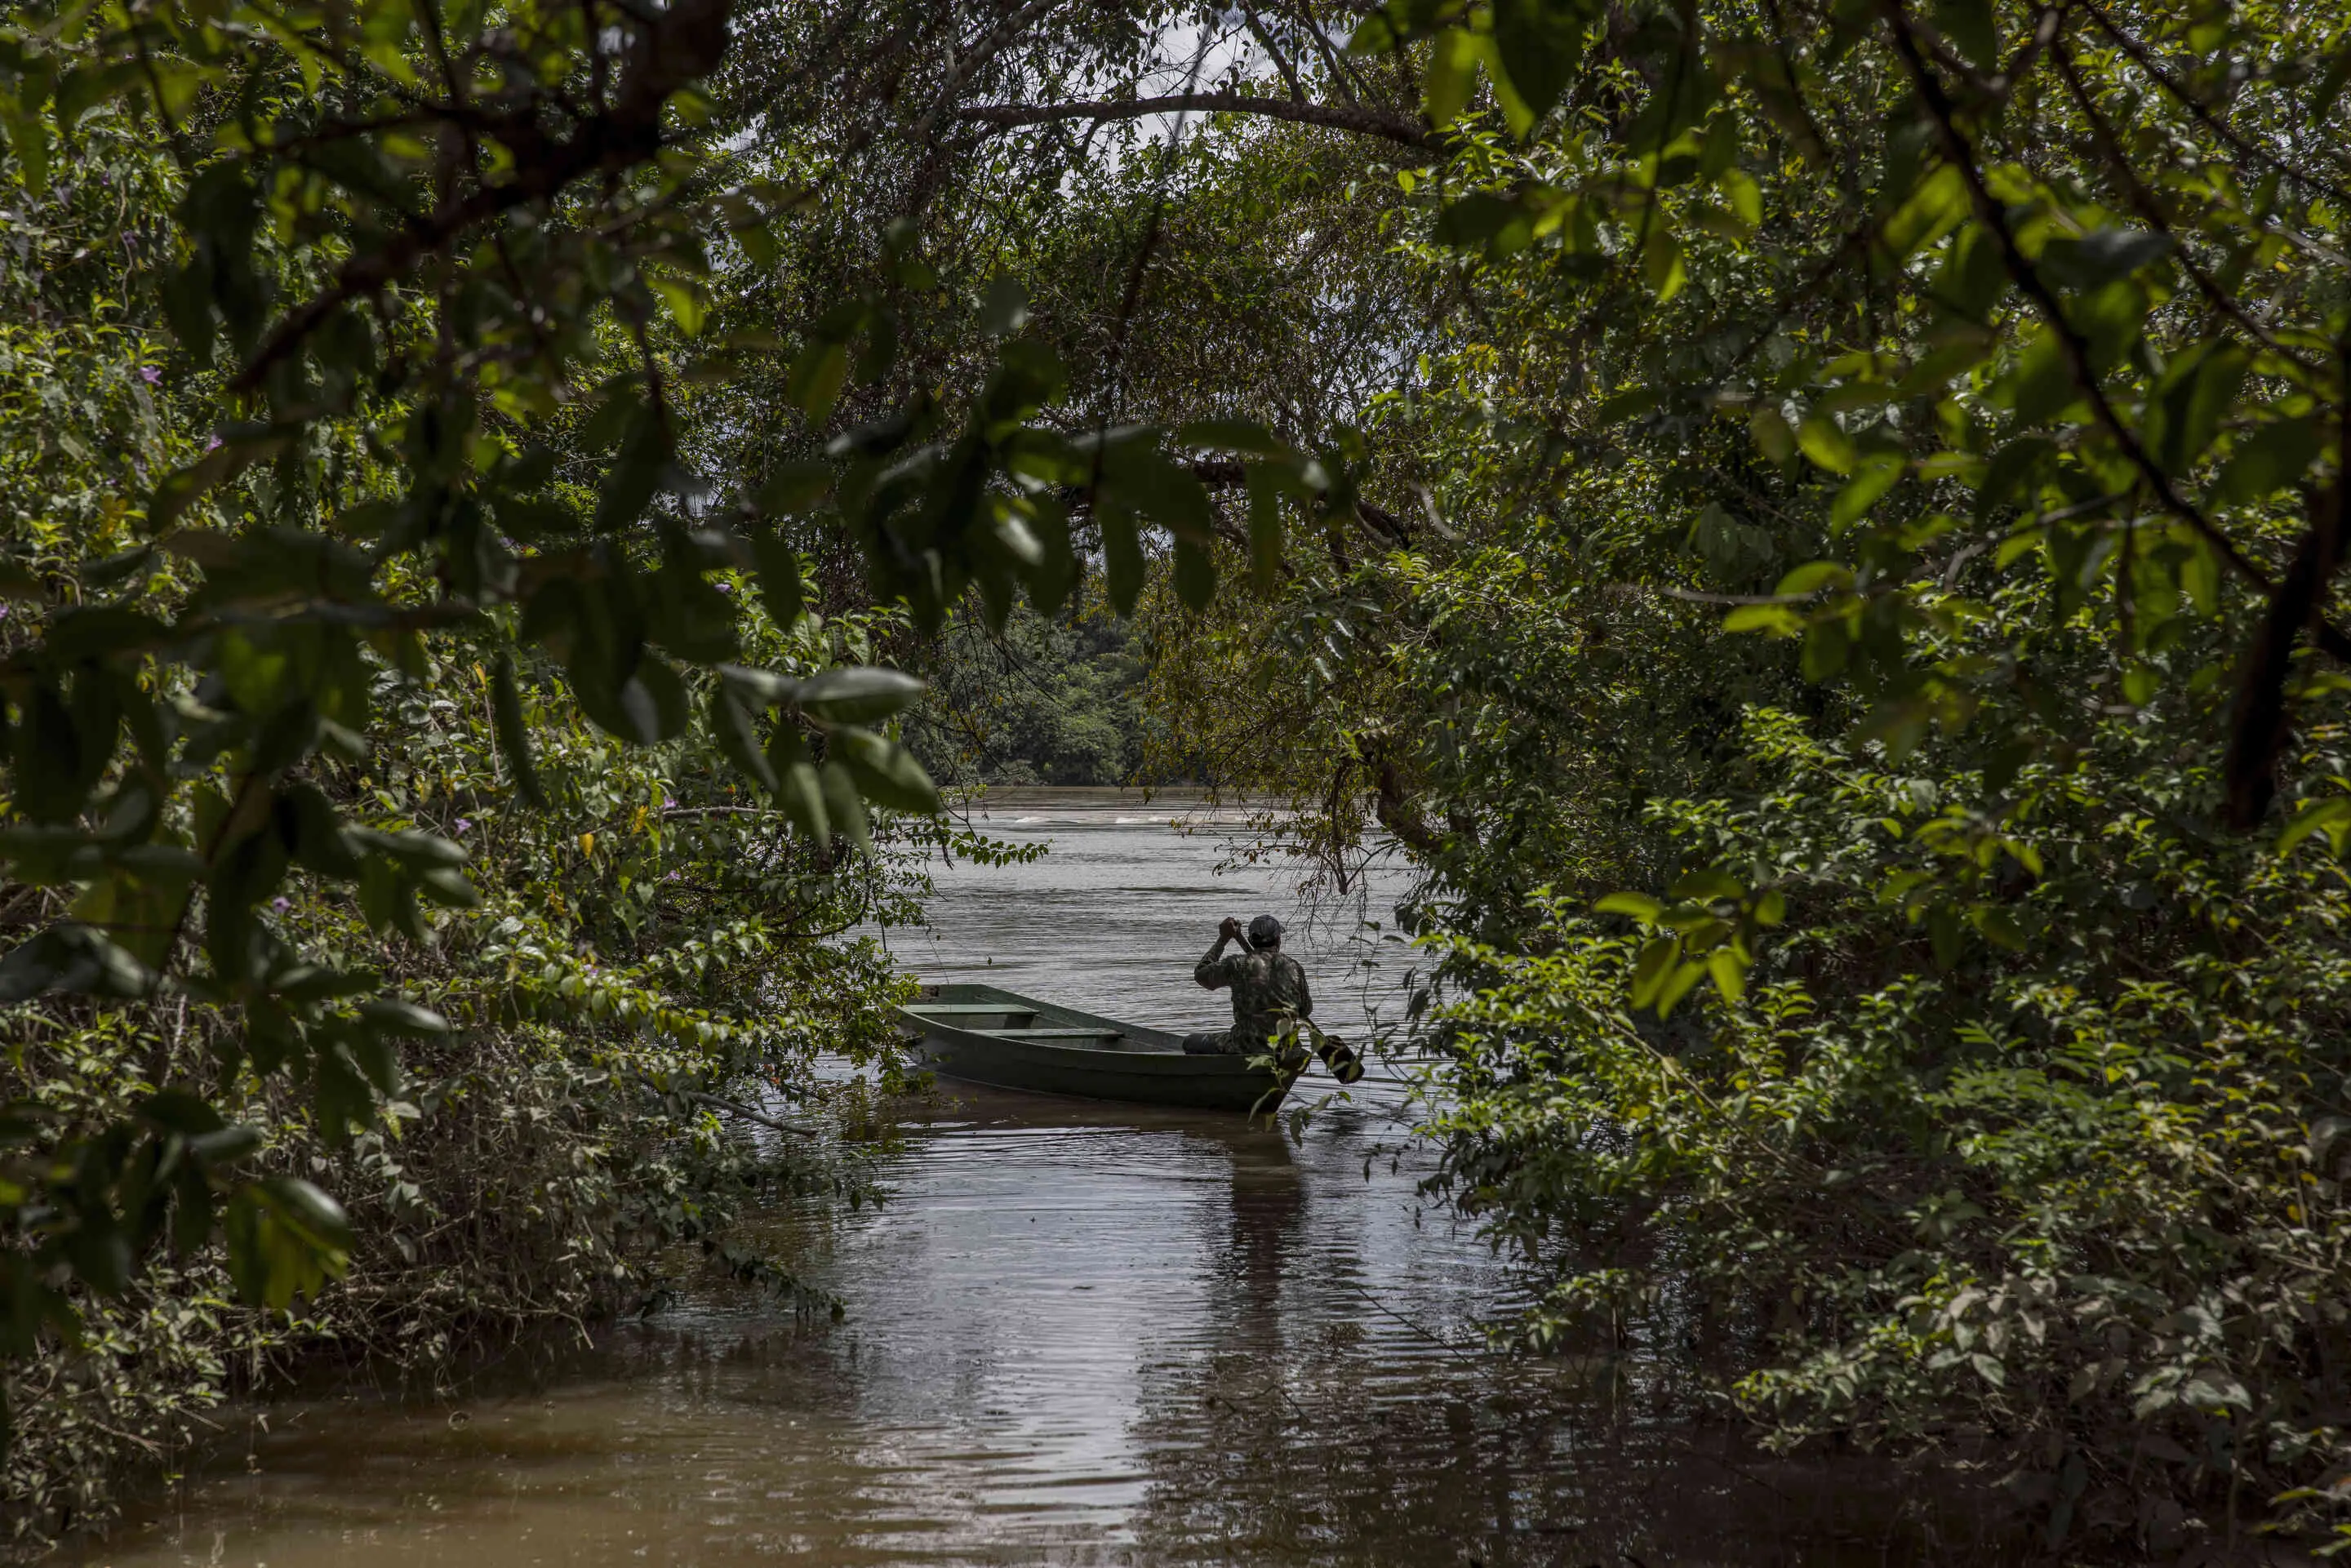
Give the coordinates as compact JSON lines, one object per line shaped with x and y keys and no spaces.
{"x":1814,"y":525}
{"x":627,"y":977}
{"x":1851,"y":646}
{"x":347,"y":694}
{"x":1043,"y":700}
{"x":432,"y":433}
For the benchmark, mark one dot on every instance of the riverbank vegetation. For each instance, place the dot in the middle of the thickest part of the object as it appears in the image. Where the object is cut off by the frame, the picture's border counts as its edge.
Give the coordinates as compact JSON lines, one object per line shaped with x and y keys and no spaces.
{"x":1040,"y":700}
{"x":1843,"y":624}
{"x":1816,"y":526}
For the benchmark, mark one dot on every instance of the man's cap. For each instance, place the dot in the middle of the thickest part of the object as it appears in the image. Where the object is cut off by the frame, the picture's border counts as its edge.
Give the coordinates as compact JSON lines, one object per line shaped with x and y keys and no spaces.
{"x":1264,"y":930}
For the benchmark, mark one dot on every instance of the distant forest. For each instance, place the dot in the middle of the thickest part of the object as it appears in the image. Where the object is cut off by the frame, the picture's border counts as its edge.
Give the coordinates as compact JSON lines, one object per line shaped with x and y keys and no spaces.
{"x":1048,"y":700}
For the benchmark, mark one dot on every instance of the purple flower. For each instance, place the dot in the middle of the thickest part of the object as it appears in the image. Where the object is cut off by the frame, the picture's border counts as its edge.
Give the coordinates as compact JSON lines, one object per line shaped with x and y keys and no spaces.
{"x":281,"y":904}
{"x":150,"y":374}
{"x":464,"y":823}
{"x":725,"y":588}
{"x":671,"y":877}
{"x":669,"y":803}
{"x":212,"y":443}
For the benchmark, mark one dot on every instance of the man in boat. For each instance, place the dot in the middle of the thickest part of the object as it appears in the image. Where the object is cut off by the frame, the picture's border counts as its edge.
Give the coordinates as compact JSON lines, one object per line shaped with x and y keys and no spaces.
{"x":1268,"y":989}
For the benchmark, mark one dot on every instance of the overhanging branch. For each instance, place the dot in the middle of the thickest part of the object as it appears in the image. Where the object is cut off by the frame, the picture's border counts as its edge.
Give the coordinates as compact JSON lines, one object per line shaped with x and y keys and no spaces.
{"x":1351,"y":118}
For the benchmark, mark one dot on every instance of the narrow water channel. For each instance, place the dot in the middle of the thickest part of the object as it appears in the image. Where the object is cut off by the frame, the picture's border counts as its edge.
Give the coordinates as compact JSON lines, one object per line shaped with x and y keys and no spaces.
{"x":1076,"y":1333}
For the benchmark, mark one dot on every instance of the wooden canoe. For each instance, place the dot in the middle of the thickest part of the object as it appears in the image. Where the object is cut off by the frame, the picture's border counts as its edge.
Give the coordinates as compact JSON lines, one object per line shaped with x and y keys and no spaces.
{"x":984,"y":1035}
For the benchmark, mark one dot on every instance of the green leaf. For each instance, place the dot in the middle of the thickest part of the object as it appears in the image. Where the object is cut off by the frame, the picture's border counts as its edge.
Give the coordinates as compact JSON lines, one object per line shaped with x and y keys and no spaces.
{"x":1676,"y":984}
{"x":1876,"y":474}
{"x":2331,"y":816}
{"x":395,"y":1015}
{"x":1707,"y":885}
{"x":686,"y":306}
{"x":1729,"y":971}
{"x":816,"y":379}
{"x":286,"y":1239}
{"x":1242,"y":435}
{"x":1973,"y":278}
{"x":1140,"y":477}
{"x":1518,"y":115}
{"x":1972,"y":29}
{"x":74,"y":959}
{"x":28,"y":141}
{"x":1934,"y":208}
{"x":1999,"y":927}
{"x":411,"y":848}
{"x":1637,"y":905}
{"x":1503,"y":226}
{"x":1772,"y":620}
{"x":1539,"y":45}
{"x":1827,"y":645}
{"x":1654,"y":969}
{"x":1814,"y":576}
{"x":798,"y":790}
{"x":2012,"y":467}
{"x":857,"y":693}
{"x":1196,"y":575}
{"x":1773,"y":435}
{"x":780,"y":581}
{"x":1661,"y":264}
{"x":449,"y":887}
{"x":1451,"y":74}
{"x":1005,"y":308}
{"x":1264,"y":528}
{"x":1827,"y":444}
{"x":842,"y":804}
{"x":886,"y":773}
{"x":2198,"y":389}
{"x":1945,"y":934}
{"x":732,"y":723}
{"x":2266,"y":461}
{"x":793,"y":488}
{"x":514,"y":736}
{"x":178,"y":1111}
{"x":1745,"y":196}
{"x":2040,"y":385}
{"x":1121,"y":558}
{"x":2097,"y":259}
{"x":652,"y":703}
{"x":634,"y":474}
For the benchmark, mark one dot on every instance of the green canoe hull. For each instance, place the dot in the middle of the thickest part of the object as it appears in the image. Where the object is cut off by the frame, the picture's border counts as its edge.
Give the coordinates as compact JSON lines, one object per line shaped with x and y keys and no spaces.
{"x":975,"y":1033}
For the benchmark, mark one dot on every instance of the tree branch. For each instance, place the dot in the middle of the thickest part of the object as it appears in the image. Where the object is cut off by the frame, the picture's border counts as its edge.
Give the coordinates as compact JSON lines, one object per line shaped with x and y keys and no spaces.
{"x":1993,"y":217}
{"x":737,"y":1108}
{"x":1013,"y":24}
{"x":2244,"y":148}
{"x":1281,"y":61}
{"x":2151,"y":209}
{"x":1336,"y":117}
{"x":1226,"y":473}
{"x":678,"y":48}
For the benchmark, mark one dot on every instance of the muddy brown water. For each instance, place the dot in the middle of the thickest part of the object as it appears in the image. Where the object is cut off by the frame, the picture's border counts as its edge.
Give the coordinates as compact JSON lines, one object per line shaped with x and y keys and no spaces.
{"x":1076,"y":1333}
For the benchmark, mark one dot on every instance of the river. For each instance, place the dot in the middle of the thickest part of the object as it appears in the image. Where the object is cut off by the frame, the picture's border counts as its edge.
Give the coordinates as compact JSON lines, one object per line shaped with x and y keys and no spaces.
{"x":1075,"y":1333}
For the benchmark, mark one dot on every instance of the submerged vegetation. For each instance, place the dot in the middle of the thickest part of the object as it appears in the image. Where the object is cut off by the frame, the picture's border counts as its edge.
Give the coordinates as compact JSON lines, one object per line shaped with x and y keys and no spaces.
{"x":1814,"y":527}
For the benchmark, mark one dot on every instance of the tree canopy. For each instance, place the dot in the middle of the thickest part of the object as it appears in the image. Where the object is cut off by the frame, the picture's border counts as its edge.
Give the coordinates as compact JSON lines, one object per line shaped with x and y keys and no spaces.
{"x":1813,"y":524}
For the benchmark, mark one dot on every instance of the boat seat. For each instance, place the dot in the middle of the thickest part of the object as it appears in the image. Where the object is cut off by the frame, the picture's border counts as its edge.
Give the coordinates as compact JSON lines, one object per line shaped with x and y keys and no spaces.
{"x":1050,"y":1033}
{"x":962,"y":1008}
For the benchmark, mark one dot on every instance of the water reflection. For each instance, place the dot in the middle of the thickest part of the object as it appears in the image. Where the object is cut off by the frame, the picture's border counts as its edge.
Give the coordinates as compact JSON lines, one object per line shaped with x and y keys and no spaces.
{"x":1078,"y":1334}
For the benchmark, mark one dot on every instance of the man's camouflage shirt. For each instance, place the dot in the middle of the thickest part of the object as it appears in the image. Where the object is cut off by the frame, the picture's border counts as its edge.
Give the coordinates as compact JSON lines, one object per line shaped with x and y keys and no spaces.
{"x":1268,"y":989}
